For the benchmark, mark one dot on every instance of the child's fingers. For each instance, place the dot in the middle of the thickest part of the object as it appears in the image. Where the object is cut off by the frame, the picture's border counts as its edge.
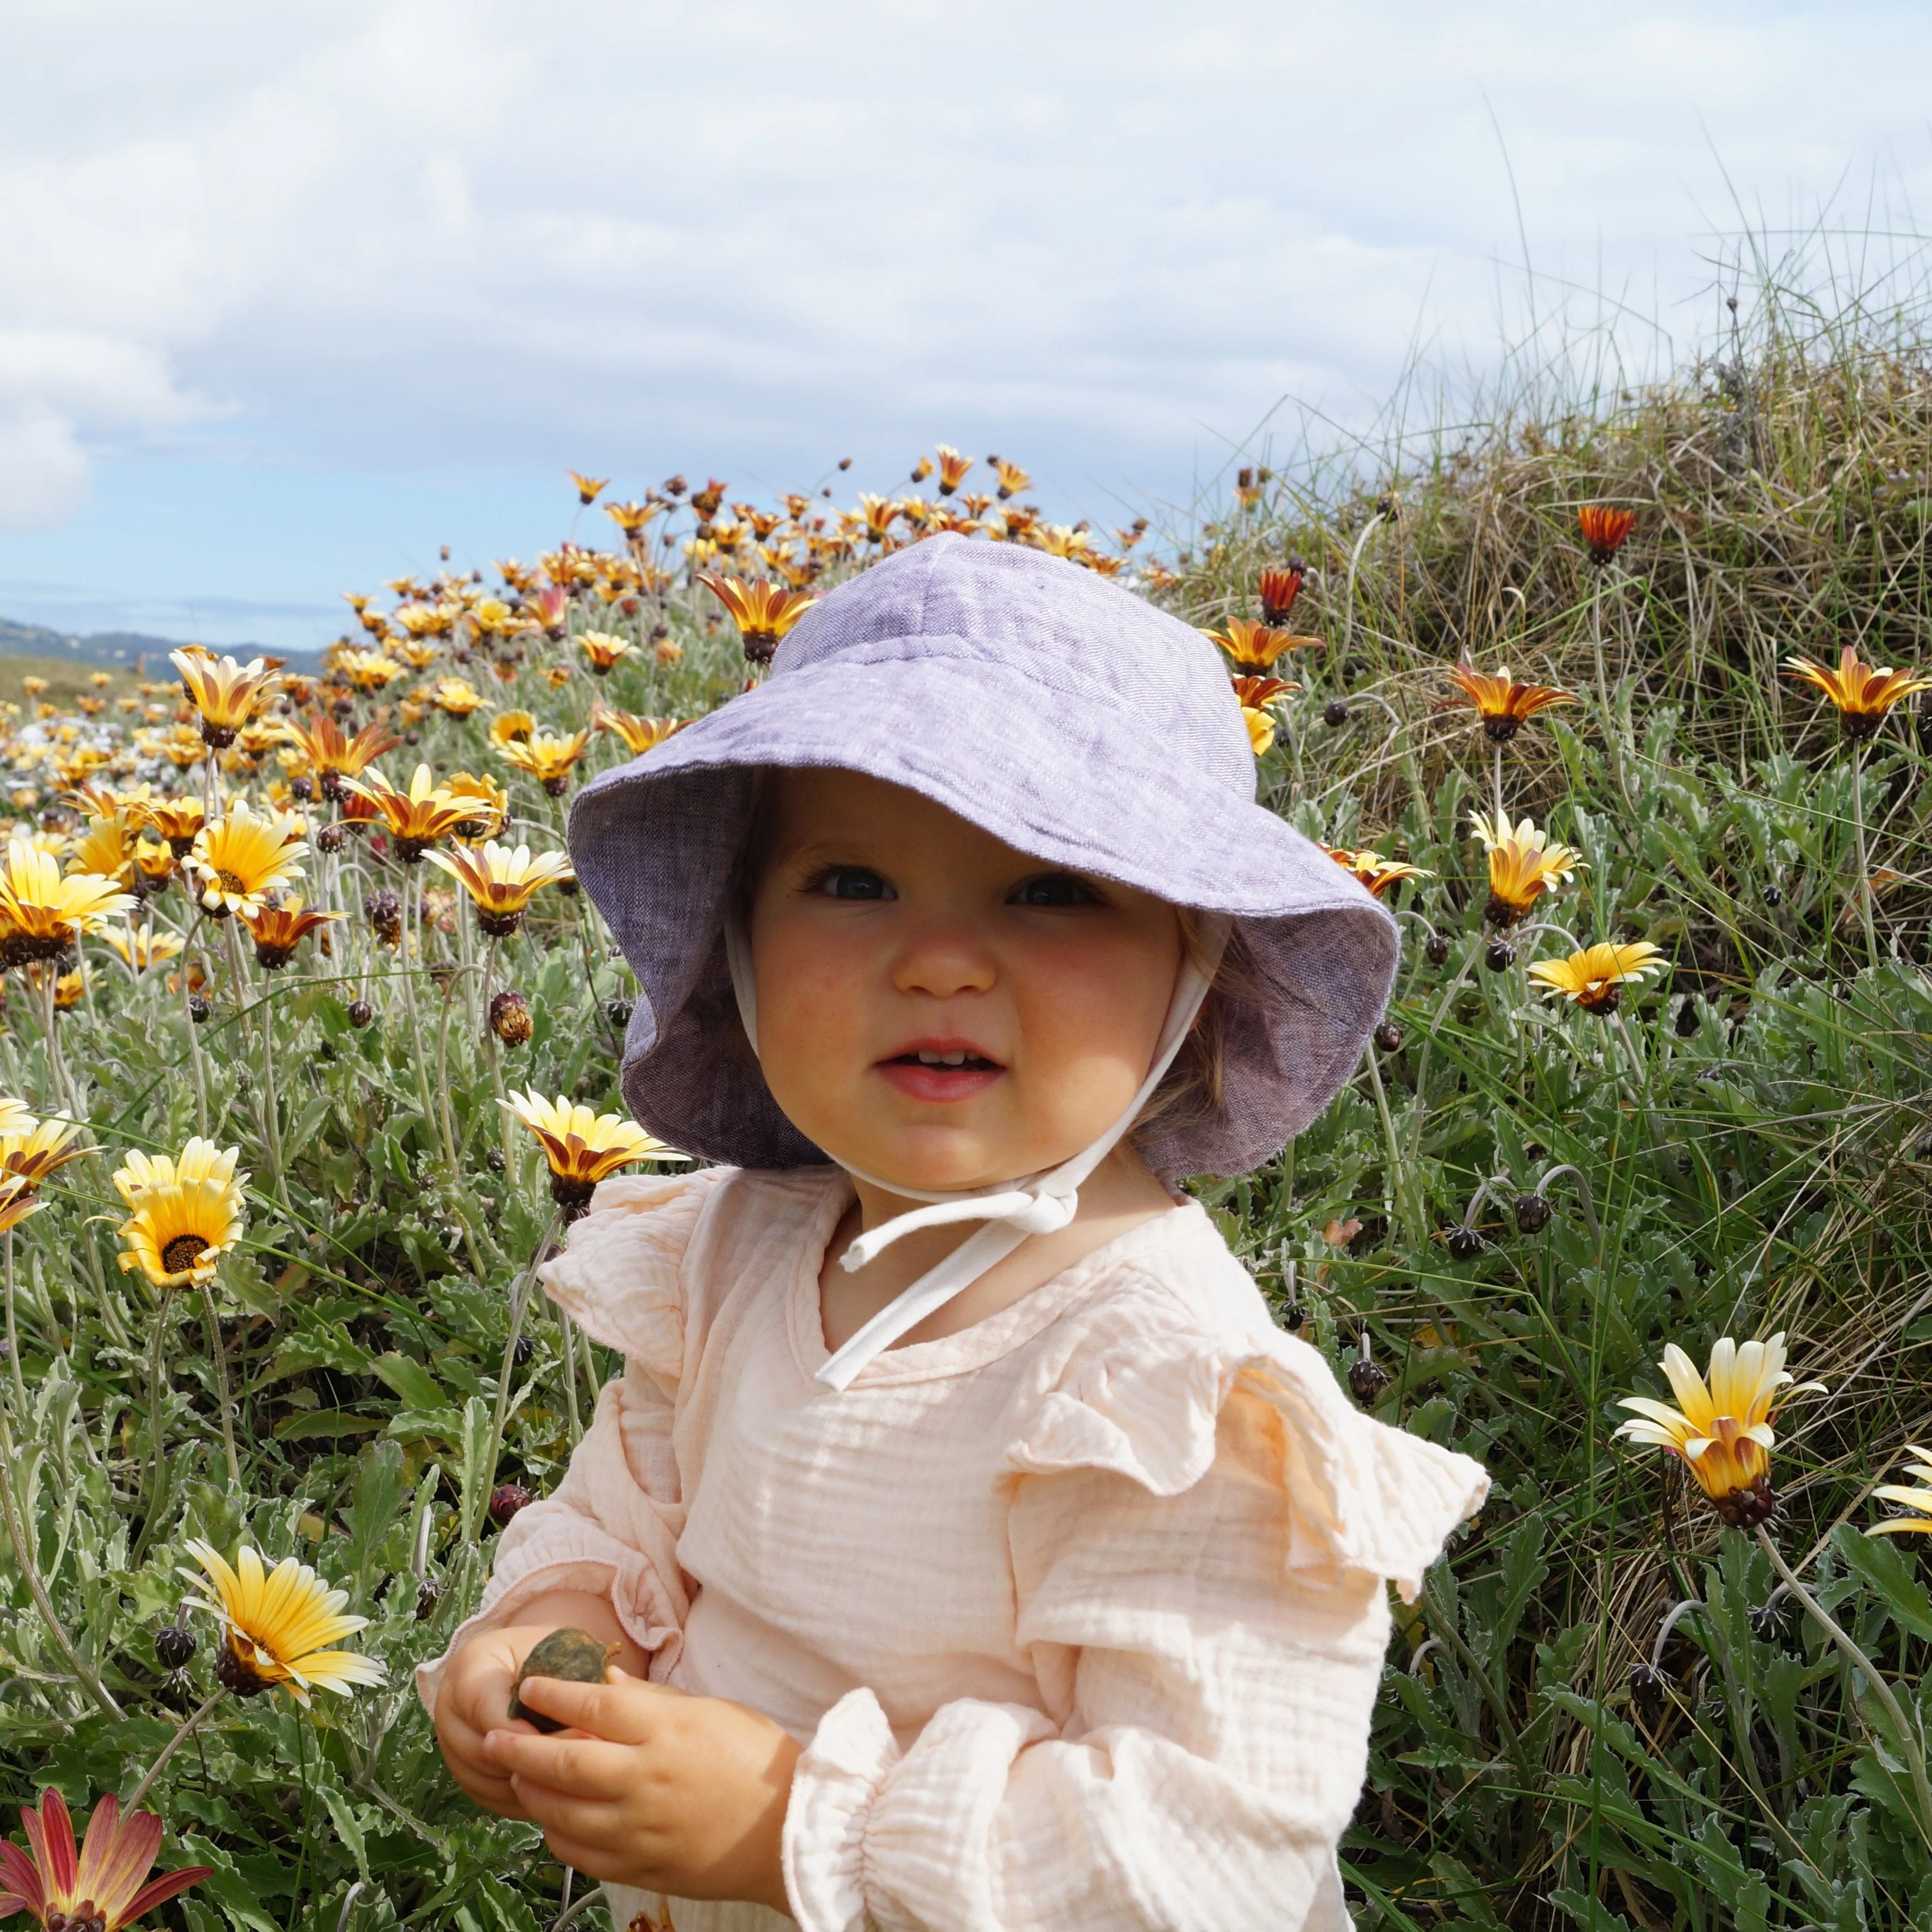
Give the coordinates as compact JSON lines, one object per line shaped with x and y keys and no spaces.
{"x":575,"y":1852}
{"x":583,"y":1821}
{"x":578,"y":1767}
{"x":621,"y":1712}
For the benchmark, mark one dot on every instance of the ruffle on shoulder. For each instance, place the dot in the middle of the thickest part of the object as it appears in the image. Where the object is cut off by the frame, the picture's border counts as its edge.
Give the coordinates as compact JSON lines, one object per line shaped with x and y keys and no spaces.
{"x":618,"y":1279}
{"x":1362,"y":1497}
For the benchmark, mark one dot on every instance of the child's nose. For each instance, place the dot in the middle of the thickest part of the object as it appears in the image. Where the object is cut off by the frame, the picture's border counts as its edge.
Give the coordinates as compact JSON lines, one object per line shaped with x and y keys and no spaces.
{"x":942,"y":958}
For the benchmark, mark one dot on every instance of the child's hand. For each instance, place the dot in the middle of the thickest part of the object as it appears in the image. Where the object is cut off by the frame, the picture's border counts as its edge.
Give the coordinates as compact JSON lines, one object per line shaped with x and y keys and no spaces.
{"x":474,"y":1700}
{"x":666,"y":1792}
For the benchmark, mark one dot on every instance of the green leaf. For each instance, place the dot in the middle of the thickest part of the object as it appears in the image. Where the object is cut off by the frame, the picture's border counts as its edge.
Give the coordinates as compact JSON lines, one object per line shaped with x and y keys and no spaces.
{"x":349,"y":1824}
{"x":1877,"y":1562}
{"x":378,"y":1493}
{"x":475,"y":1480}
{"x":318,"y":1423}
{"x":410,"y":1380}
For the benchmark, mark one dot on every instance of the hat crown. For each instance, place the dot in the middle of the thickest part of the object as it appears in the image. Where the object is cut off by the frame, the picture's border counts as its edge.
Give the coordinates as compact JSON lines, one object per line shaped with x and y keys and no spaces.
{"x":1090,"y":645}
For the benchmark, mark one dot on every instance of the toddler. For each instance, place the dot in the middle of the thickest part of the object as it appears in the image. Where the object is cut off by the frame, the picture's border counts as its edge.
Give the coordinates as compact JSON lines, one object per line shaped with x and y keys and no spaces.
{"x":979,"y":1555}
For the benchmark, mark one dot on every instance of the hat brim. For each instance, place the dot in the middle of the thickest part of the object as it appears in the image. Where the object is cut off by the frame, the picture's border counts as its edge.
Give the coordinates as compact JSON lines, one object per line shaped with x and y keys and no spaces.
{"x":657,"y":844}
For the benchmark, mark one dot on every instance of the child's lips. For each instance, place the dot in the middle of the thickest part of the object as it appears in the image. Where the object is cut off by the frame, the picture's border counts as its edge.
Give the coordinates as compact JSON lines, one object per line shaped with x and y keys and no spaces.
{"x":919,"y":1082}
{"x":916,"y":1075}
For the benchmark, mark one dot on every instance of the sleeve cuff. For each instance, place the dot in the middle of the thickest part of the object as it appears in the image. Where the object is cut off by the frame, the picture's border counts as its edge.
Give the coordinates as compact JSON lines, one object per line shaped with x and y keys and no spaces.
{"x":582,"y":1558}
{"x":849,"y":1759}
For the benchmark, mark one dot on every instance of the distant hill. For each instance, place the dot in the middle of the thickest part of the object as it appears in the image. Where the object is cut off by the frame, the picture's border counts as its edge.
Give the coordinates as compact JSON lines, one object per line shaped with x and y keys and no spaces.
{"x":119,"y":649}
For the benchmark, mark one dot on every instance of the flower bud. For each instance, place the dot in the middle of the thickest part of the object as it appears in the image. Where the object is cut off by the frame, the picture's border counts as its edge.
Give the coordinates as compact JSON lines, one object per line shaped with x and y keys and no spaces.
{"x":1367,"y":1379}
{"x":1499,"y":956}
{"x":175,"y":1646}
{"x":1335,"y":713}
{"x":506,"y":1500}
{"x":1435,"y":949}
{"x":361,"y":1013}
{"x":1532,"y":1212}
{"x":1465,"y":1243}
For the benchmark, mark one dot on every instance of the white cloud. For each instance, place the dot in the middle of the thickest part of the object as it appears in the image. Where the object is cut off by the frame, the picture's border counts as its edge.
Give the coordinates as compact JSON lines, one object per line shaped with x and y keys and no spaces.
{"x":425,"y":233}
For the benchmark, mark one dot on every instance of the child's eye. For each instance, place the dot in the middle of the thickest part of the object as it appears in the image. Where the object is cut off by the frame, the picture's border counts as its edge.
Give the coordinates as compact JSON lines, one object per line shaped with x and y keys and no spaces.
{"x":1053,"y":888}
{"x":850,"y":882}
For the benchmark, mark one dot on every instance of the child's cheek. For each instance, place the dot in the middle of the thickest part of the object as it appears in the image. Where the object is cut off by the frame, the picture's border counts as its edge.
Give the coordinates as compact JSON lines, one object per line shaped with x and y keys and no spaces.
{"x":814,"y":1026}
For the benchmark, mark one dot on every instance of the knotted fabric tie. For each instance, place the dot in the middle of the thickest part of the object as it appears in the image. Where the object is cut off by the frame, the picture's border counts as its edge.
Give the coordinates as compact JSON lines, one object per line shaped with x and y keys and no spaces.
{"x":1035,"y":1203}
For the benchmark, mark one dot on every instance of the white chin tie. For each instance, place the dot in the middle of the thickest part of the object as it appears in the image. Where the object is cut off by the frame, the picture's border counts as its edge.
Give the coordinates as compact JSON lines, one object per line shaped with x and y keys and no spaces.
{"x":1037,"y":1203}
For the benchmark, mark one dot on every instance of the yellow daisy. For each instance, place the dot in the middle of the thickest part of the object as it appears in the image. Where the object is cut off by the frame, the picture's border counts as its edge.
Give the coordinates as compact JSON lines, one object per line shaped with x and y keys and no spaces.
{"x":41,"y":913}
{"x":238,"y":860}
{"x":187,"y":1213}
{"x":582,"y":1148}
{"x":1595,"y":977}
{"x":279,"y":1624}
{"x":1721,"y":1431}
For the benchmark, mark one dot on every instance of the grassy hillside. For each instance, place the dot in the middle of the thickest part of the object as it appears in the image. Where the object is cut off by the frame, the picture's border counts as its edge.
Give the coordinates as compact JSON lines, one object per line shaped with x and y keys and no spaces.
{"x":1741,"y":1149}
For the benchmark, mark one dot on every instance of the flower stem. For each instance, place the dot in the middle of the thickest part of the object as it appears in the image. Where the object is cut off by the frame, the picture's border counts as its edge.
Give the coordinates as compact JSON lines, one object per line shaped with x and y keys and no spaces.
{"x":218,"y":1349}
{"x":30,"y":1568}
{"x":13,"y":1331}
{"x":519,"y":1301}
{"x":1403,"y":1202}
{"x":193,"y":1034}
{"x":567,"y":1341}
{"x":186,"y":1730}
{"x":1908,"y":1741}
{"x":271,"y":1106}
{"x":1863,"y":887}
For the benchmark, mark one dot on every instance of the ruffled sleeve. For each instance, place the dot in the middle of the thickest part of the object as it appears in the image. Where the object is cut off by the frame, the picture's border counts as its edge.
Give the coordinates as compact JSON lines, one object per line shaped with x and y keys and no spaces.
{"x":1199,"y":1534}
{"x":611,"y":1526}
{"x":1361,"y":1498}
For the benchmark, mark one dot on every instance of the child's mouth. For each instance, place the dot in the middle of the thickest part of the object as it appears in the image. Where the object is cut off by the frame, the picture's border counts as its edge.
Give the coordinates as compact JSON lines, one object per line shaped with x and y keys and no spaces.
{"x":947,"y":1073}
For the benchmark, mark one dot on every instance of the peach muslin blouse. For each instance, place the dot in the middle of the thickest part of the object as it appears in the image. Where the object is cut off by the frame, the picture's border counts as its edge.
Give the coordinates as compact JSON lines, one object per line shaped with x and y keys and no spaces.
{"x":1079,"y":1612}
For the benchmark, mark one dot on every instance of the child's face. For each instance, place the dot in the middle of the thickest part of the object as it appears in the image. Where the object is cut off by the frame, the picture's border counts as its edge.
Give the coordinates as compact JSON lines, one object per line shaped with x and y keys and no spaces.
{"x":883,"y":926}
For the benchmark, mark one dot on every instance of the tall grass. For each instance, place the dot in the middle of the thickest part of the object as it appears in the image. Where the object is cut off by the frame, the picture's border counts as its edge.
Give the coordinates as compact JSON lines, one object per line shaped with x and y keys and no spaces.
{"x":1748,"y":1139}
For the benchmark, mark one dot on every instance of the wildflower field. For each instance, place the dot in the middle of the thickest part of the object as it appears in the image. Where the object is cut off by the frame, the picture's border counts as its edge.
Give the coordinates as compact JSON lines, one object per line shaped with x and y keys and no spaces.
{"x":309,"y":1050}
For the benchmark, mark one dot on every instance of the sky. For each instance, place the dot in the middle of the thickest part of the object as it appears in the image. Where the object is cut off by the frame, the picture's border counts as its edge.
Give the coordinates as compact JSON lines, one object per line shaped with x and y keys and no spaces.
{"x":292,"y":295}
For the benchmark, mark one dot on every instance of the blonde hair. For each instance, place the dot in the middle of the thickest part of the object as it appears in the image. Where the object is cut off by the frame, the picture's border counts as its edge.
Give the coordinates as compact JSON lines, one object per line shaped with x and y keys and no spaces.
{"x":1192,"y":1090}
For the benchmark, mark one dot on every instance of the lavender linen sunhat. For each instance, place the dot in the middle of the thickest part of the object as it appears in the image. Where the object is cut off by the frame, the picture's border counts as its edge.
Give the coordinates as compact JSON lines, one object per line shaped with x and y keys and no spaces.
{"x":1051,"y":708}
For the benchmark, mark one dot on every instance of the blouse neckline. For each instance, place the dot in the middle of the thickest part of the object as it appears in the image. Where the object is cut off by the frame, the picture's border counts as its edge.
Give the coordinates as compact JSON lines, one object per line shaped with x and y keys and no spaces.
{"x":971,"y":1348}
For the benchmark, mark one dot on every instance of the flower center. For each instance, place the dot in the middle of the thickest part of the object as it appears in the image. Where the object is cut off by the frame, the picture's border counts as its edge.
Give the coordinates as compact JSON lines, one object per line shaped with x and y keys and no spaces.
{"x":233,"y":881}
{"x":182,"y":1252}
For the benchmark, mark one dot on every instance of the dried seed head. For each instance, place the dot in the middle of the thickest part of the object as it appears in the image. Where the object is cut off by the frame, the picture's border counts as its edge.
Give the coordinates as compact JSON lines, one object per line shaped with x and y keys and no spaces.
{"x":510,"y":1019}
{"x":384,"y":911}
{"x":1746,"y":1509}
